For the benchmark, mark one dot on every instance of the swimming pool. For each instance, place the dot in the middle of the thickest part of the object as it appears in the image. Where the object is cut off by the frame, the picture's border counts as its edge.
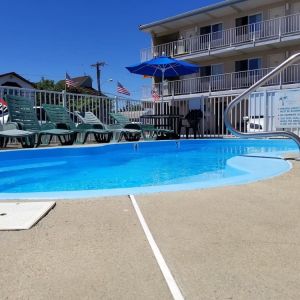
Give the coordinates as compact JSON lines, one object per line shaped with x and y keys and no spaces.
{"x":118,"y":169}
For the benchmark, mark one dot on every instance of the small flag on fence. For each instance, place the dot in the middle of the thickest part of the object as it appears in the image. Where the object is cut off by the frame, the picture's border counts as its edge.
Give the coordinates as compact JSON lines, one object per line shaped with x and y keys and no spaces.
{"x":3,"y":107}
{"x":155,"y":95}
{"x":70,"y":82}
{"x":3,"y":102}
{"x":122,"y":90}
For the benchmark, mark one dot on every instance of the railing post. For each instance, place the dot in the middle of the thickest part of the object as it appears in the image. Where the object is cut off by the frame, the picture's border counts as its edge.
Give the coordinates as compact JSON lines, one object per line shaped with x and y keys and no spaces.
{"x":116,"y":104}
{"x":280,"y":80}
{"x":279,"y":29}
{"x":172,"y":49}
{"x":64,"y":98}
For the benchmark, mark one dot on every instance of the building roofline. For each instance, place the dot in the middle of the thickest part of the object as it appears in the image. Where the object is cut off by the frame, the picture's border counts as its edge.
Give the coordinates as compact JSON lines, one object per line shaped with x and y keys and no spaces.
{"x":191,"y":13}
{"x":18,"y":76}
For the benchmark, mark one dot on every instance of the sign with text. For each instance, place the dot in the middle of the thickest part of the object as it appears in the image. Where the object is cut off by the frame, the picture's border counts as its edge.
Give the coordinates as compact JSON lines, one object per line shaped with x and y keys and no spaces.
{"x":287,"y":109}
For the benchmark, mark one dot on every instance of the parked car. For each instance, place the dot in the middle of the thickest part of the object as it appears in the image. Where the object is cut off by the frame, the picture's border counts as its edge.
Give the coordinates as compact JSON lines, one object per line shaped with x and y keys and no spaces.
{"x":255,"y":123}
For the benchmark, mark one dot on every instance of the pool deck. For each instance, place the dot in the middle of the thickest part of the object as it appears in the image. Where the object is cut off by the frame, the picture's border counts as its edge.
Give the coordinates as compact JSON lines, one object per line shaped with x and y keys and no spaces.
{"x":238,"y":242}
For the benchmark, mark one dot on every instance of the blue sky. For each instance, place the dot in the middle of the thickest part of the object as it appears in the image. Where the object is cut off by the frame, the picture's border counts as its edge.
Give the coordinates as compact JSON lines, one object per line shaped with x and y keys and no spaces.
{"x":48,"y":38}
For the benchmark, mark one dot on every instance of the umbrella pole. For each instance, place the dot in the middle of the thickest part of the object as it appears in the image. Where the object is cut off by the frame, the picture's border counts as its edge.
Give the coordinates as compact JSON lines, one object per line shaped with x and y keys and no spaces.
{"x":162,"y":91}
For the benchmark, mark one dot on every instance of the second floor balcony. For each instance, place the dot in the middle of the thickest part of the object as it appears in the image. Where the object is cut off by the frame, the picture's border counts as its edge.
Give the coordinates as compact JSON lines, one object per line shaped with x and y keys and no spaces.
{"x":229,"y":82}
{"x":261,"y":33}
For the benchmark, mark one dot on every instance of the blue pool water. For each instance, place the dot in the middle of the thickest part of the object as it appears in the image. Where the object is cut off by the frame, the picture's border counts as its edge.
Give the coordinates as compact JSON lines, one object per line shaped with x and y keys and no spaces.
{"x":137,"y":168}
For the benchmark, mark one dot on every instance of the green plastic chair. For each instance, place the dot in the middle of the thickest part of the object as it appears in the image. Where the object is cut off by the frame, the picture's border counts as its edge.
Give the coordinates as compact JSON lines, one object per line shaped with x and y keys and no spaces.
{"x":22,"y":112}
{"x":148,"y":131}
{"x":58,"y":115}
{"x":10,"y":131}
{"x":129,"y":135}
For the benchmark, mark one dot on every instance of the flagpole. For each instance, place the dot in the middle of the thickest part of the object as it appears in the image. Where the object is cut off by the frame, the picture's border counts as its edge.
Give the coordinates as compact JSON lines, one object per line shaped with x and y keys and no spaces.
{"x":65,"y":92}
{"x":66,"y":82}
{"x":162,"y":91}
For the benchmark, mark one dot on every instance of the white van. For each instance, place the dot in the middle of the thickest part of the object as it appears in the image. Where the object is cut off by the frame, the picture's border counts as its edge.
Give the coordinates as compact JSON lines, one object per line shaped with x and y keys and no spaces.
{"x":255,"y":123}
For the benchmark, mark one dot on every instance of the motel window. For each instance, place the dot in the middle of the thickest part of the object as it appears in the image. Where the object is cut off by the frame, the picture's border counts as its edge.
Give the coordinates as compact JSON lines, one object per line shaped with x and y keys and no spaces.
{"x":211,"y":29}
{"x":205,"y":71}
{"x":216,"y":69}
{"x":205,"y":30}
{"x":241,"y":65}
{"x":253,"y":21}
{"x":254,"y":64}
{"x":217,"y":31}
{"x":241,"y":21}
{"x":248,"y":64}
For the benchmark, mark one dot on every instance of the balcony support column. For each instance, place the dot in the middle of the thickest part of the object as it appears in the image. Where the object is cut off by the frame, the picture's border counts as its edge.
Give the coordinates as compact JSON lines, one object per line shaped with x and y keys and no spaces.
{"x":279,"y":29}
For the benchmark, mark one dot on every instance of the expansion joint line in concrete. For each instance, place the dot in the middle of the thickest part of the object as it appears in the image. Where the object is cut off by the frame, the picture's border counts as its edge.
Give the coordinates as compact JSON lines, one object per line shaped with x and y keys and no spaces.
{"x":174,"y":289}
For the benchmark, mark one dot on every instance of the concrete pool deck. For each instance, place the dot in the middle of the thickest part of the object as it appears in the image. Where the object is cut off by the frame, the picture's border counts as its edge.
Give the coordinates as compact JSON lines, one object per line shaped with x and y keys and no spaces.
{"x":238,"y":242}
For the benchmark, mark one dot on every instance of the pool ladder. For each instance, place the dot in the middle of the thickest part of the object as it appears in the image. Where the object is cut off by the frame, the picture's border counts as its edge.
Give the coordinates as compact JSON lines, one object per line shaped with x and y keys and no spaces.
{"x":251,"y":89}
{"x":136,"y":147}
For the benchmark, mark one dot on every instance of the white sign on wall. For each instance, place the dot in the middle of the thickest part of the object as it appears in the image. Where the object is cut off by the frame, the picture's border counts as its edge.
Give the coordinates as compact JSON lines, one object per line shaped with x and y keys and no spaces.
{"x":287,"y":109}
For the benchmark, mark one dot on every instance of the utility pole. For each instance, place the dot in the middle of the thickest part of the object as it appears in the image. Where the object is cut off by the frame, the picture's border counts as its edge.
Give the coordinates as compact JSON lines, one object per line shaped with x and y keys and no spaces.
{"x":98,"y":66}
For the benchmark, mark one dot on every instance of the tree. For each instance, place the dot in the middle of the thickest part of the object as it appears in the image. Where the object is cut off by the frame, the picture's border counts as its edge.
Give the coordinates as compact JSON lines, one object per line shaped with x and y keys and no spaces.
{"x":46,"y":84}
{"x":50,"y":85}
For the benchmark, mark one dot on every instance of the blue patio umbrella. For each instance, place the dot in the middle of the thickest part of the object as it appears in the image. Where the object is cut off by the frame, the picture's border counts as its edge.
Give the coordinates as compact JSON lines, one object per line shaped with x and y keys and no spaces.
{"x":164,"y":67}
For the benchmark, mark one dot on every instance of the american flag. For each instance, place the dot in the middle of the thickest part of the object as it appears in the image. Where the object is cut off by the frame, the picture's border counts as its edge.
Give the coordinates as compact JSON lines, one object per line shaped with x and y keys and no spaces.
{"x":122,"y":90}
{"x":70,"y":82}
{"x":155,"y":95}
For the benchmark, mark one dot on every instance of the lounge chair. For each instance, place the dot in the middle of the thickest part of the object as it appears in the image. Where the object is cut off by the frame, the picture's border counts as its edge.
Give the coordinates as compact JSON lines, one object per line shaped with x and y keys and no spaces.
{"x":148,"y":130}
{"x":11,"y":131}
{"x":58,"y":115}
{"x":21,"y":111}
{"x":119,"y":132}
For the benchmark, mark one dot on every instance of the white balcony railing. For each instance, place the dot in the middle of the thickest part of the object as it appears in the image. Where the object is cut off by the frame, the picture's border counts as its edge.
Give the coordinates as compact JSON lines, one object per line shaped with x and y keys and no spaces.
{"x":253,"y":33}
{"x":222,"y":82}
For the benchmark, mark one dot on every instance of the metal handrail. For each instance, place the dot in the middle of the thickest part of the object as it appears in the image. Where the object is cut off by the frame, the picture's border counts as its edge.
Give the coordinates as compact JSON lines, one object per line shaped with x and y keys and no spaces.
{"x":247,"y":92}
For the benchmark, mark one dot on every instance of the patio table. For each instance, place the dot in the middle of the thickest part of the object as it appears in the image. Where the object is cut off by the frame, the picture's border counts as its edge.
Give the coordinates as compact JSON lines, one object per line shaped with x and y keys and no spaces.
{"x":173,"y":122}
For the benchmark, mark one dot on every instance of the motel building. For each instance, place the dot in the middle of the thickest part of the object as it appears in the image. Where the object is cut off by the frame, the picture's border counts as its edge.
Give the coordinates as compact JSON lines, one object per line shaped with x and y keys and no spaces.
{"x":235,"y":43}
